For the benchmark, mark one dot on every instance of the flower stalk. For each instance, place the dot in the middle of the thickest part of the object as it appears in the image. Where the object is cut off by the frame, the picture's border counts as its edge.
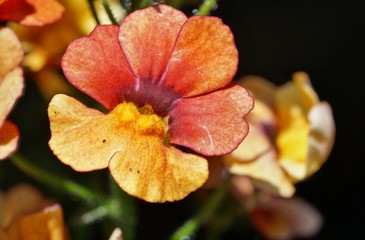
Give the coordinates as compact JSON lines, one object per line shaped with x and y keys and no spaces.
{"x":64,"y":185}
{"x":190,"y":227}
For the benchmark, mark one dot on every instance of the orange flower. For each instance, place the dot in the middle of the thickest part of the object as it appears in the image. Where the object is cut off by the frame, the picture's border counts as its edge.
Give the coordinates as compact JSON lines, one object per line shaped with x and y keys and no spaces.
{"x":291,"y":135}
{"x":164,"y":78}
{"x":26,"y":214}
{"x":11,"y":87}
{"x":30,"y":12}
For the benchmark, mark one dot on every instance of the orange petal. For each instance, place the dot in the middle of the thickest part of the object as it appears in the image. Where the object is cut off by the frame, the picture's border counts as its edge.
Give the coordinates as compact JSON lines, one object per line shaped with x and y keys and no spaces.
{"x":82,"y":137}
{"x":20,"y":199}
{"x":154,"y":172}
{"x":147,"y":38}
{"x":9,"y":136}
{"x":46,"y":224}
{"x":204,"y":58}
{"x":31,"y":12}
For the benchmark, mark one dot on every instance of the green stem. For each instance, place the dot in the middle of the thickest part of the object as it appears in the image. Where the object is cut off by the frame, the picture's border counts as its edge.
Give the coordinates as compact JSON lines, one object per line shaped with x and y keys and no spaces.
{"x":206,"y":7}
{"x":191,"y":226}
{"x":93,"y":11}
{"x":50,"y":179}
{"x":125,"y":211}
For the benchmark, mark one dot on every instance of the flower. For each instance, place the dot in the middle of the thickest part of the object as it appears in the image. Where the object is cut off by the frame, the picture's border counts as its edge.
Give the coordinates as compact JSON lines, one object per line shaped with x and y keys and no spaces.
{"x":291,"y":135}
{"x":30,"y":12}
{"x":165,"y":80}
{"x":285,"y":218}
{"x":26,"y":214}
{"x":11,"y":87}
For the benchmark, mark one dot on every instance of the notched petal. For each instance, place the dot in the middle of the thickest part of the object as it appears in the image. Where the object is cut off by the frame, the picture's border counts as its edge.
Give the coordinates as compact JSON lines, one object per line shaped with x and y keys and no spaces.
{"x":149,"y":170}
{"x":82,"y":137}
{"x":211,"y":124}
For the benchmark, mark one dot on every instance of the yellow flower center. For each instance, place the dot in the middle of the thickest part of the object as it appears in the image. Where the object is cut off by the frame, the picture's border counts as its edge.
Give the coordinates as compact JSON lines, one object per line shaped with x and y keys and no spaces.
{"x":142,"y":120}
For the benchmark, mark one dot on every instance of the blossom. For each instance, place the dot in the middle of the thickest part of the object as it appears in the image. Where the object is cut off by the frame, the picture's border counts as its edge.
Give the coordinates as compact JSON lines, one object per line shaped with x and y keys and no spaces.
{"x":26,"y":214}
{"x":291,"y":135}
{"x":285,"y":218}
{"x":11,"y":87}
{"x":165,"y":81}
{"x":30,"y":12}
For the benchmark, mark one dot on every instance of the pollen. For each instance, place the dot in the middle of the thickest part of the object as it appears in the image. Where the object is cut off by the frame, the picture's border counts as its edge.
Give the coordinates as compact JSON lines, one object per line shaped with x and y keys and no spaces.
{"x":142,"y":120}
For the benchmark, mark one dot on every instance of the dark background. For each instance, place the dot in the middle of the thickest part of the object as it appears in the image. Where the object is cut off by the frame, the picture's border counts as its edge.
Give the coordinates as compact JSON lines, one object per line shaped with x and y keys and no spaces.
{"x":323,"y":38}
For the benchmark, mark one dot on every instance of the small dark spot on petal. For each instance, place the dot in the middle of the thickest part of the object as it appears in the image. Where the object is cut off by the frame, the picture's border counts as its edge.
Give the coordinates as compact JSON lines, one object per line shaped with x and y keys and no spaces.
{"x":138,"y":171}
{"x":104,"y":140}
{"x":130,"y":169}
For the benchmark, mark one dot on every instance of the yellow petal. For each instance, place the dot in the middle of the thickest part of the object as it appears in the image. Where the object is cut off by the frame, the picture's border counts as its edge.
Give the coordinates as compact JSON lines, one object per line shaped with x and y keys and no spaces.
{"x":307,"y":94}
{"x":47,"y":224}
{"x":154,"y":172}
{"x":20,"y":199}
{"x":82,"y":137}
{"x":293,"y":129}
{"x":265,"y":173}
{"x":133,"y":142}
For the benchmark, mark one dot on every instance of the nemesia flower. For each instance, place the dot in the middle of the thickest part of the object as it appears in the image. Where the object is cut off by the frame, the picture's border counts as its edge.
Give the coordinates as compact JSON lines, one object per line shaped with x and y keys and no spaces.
{"x":11,"y":87}
{"x":26,"y":214}
{"x":30,"y":12}
{"x":164,"y":78}
{"x":291,"y":135}
{"x":279,"y":218}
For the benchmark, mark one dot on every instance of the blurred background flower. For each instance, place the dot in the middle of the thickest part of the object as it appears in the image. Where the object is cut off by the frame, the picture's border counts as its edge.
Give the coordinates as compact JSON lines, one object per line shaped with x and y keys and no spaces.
{"x":26,"y":214}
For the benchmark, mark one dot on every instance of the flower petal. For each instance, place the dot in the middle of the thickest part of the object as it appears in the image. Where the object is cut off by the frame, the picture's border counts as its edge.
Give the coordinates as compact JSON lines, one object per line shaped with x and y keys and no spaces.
{"x":97,"y":66}
{"x":285,"y":218}
{"x":147,"y":38}
{"x":154,"y":172}
{"x":205,"y":57}
{"x":9,"y":136}
{"x":265,"y":173}
{"x":31,"y":12}
{"x":46,"y":224}
{"x":321,"y":137}
{"x":11,"y":88}
{"x":82,"y":137}
{"x":195,"y":123}
{"x":11,"y":51}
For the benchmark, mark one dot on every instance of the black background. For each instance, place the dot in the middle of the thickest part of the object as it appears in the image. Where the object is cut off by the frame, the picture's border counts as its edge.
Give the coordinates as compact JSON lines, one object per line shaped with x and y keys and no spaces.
{"x":323,"y":38}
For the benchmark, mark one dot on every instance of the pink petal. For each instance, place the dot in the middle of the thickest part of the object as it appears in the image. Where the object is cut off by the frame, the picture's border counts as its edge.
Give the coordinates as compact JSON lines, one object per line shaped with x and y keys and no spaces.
{"x":211,"y":124}
{"x":97,"y":66}
{"x":147,"y":37}
{"x":205,"y":57}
